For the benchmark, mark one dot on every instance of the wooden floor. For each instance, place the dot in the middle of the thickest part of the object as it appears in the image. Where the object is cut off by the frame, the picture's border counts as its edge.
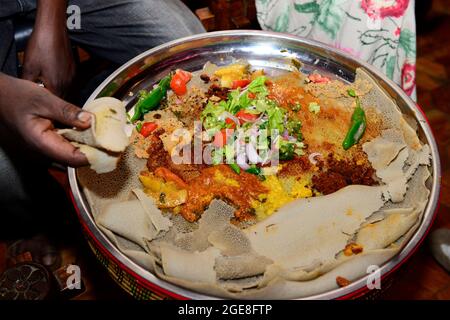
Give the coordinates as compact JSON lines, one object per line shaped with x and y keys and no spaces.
{"x":421,"y":277}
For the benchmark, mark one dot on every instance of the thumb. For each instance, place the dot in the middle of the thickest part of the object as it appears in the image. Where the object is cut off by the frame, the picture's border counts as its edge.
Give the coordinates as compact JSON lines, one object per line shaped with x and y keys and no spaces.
{"x":66,"y":113}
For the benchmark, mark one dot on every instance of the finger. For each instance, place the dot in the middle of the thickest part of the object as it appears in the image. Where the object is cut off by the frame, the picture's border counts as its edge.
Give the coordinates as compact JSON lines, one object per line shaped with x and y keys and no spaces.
{"x":55,"y":146}
{"x":58,"y":148}
{"x":54,"y":108}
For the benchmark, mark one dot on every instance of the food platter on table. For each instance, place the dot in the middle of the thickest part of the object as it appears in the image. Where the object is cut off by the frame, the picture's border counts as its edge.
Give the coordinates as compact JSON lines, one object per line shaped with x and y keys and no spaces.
{"x":274,"y":53}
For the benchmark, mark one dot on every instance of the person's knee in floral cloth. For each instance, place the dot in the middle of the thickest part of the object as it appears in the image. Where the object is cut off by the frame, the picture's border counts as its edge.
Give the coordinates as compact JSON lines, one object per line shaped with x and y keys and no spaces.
{"x":380,"y":32}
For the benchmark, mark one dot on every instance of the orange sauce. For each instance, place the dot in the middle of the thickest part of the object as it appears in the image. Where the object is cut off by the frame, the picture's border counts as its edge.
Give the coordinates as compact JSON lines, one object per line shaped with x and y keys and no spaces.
{"x":221,"y":182}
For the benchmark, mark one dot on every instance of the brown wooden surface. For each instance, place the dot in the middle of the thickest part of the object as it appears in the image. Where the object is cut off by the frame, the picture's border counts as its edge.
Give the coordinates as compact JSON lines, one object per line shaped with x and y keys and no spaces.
{"x":225,"y":14}
{"x":421,"y":277}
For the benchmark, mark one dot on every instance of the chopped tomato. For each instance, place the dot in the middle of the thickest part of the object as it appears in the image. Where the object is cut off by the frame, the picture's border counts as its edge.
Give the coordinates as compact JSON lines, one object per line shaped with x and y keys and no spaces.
{"x":251,"y":95}
{"x":179,"y":81}
{"x":231,"y":123}
{"x":317,"y":78}
{"x":246,"y":117}
{"x":184,"y":75}
{"x":178,"y":86}
{"x":220,"y":138}
{"x":148,"y":128}
{"x":168,"y":175}
{"x":240,"y":83}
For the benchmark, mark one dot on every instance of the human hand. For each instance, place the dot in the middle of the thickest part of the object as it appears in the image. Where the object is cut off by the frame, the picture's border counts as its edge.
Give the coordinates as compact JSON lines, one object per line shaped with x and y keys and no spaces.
{"x":30,"y":110}
{"x":48,"y":55}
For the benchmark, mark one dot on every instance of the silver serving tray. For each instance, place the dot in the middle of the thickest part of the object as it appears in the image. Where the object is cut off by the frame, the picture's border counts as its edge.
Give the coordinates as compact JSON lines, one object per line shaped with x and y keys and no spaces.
{"x":274,"y":52}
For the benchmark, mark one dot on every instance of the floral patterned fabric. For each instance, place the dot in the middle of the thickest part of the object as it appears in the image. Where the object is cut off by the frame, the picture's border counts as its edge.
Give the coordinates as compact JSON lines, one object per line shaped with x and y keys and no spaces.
{"x":381,"y":32}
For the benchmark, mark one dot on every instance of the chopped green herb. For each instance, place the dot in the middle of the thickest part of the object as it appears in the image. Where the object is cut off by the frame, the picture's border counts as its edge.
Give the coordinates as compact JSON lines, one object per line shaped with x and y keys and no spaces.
{"x":294,"y":127}
{"x":233,"y":105}
{"x":217,"y":156}
{"x":139,"y":127}
{"x":297,"y":107}
{"x":314,"y":107}
{"x":229,"y":152}
{"x":263,"y":126}
{"x":276,"y":115}
{"x":235,"y":168}
{"x":351,"y":93}
{"x":287,"y":151}
{"x":210,"y":116}
{"x":258,"y":86}
{"x":299,"y":148}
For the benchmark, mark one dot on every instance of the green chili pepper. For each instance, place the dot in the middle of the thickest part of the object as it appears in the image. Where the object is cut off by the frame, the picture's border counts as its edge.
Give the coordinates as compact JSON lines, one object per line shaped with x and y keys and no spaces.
{"x":139,"y":127}
{"x":148,"y":101}
{"x":235,"y":168}
{"x":357,"y":127}
{"x":254,"y":170}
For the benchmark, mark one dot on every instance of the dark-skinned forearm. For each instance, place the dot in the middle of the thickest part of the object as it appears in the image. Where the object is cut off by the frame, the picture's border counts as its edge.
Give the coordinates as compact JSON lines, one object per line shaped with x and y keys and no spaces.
{"x":4,"y":84}
{"x":48,"y":56}
{"x":51,"y":15}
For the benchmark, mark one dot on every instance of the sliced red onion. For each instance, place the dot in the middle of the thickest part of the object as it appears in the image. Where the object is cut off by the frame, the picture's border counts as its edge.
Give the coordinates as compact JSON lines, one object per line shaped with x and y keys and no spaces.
{"x":206,"y":136}
{"x":275,"y":142}
{"x":224,"y":115}
{"x":269,"y":156}
{"x":252,"y":154}
{"x":259,"y":119}
{"x":253,"y":131}
{"x":241,"y":160}
{"x":312,"y":157}
{"x":243,"y":91}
